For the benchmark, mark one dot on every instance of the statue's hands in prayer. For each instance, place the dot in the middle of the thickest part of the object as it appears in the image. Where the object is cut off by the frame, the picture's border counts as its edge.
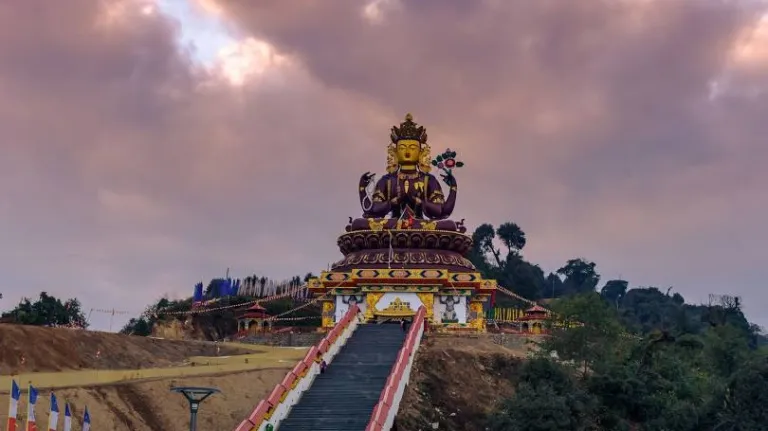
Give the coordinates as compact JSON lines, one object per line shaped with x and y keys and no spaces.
{"x":449,"y":179}
{"x":413,"y":197}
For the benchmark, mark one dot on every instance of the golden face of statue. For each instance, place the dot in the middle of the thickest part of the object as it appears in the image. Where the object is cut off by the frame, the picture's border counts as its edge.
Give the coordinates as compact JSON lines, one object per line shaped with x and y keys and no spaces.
{"x":408,"y":152}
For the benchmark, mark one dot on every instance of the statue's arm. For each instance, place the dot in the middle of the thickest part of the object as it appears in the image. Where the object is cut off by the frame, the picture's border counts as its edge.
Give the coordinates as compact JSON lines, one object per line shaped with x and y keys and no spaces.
{"x":450,"y":201}
{"x":365,"y":200}
{"x":437,"y":206}
{"x":382,"y":205}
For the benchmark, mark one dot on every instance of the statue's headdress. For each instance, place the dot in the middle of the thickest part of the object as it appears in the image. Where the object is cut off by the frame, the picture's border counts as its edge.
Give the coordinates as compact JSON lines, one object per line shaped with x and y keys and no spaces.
{"x":409,"y":130}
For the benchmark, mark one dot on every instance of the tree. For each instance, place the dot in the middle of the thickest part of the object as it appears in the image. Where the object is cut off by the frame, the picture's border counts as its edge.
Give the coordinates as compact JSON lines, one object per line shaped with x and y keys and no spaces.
{"x":744,"y":400}
{"x":511,"y":271}
{"x":553,"y":286}
{"x":546,"y":399}
{"x":524,"y":277}
{"x":614,"y":291}
{"x":141,"y":327}
{"x":483,"y":240}
{"x":48,"y":311}
{"x":580,"y":276}
{"x":591,"y":330}
{"x":512,"y":236}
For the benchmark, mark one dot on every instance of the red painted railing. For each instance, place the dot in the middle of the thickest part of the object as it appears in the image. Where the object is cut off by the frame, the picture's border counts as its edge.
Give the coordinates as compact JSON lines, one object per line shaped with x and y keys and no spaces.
{"x":303,"y":369}
{"x":389,"y":401}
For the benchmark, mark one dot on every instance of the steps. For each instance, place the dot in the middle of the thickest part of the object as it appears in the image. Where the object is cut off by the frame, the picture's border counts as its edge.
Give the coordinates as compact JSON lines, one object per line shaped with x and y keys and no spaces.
{"x":343,"y":398}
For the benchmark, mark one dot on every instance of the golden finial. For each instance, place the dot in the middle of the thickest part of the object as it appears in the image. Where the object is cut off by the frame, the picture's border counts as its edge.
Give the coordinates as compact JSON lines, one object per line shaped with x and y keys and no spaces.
{"x":408,"y":117}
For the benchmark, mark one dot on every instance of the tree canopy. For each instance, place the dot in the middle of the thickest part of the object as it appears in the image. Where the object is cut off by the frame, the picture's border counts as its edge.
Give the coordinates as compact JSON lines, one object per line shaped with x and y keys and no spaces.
{"x":47,"y":310}
{"x":626,"y":358}
{"x":597,"y":377}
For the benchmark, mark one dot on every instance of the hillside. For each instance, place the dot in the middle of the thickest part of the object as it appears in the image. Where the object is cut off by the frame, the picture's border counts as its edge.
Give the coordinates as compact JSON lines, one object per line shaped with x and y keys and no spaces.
{"x":456,"y":382}
{"x":58,"y":349}
{"x":145,"y":405}
{"x":150,"y":406}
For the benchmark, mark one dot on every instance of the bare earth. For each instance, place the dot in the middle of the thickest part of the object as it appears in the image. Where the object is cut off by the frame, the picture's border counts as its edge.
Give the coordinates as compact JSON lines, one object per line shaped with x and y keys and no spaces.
{"x":58,"y":349}
{"x":457,"y":381}
{"x":150,"y":406}
{"x":128,"y":384}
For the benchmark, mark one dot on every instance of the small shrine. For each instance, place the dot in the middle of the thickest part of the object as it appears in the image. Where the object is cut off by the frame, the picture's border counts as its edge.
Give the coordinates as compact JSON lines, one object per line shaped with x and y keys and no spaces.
{"x":533,"y":320}
{"x":405,"y":252}
{"x":252,"y":319}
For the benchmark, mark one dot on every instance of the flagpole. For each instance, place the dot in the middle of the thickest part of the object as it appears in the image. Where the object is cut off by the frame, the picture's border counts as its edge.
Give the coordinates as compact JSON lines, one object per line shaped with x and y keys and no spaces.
{"x":111,"y":318}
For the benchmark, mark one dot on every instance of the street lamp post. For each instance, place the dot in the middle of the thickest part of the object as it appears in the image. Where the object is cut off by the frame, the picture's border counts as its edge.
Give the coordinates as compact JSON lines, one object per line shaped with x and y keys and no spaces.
{"x":195,"y":396}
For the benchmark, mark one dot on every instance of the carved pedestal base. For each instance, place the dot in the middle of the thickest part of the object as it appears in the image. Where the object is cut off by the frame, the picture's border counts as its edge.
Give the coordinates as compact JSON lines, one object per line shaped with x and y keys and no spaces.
{"x":453,"y":301}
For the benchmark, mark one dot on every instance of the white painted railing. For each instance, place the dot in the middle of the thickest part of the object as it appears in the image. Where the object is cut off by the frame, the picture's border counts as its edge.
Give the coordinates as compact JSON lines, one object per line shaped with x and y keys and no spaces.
{"x":384,"y":413}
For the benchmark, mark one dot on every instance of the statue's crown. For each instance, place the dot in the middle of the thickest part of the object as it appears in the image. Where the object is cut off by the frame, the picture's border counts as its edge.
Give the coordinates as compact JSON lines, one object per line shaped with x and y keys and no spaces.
{"x":409,"y":130}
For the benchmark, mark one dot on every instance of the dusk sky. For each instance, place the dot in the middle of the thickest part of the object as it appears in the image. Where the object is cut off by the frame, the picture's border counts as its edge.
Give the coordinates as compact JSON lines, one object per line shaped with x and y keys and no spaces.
{"x":146,"y":145}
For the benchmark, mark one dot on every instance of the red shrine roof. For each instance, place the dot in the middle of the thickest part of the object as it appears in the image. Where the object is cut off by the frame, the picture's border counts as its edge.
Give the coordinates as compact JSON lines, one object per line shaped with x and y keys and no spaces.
{"x":536,"y":309}
{"x":254,"y":311}
{"x":534,"y":313}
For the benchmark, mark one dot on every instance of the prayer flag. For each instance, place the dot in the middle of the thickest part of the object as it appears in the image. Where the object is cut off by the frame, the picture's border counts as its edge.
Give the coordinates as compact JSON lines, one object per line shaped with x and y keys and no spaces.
{"x":67,"y":418}
{"x":53,"y":416}
{"x":31,"y":423}
{"x":86,"y":420}
{"x":13,"y":407}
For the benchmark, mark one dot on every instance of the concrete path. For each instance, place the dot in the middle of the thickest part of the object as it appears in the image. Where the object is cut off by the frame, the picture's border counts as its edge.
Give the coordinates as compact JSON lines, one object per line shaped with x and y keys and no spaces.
{"x":263,"y":357}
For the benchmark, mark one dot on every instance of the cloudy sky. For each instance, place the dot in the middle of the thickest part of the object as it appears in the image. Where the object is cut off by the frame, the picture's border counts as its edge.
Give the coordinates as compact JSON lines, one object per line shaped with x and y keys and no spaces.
{"x":148,"y":144}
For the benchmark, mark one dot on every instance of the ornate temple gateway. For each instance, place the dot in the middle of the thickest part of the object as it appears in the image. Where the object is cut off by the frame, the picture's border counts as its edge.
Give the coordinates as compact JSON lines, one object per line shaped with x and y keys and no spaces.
{"x":405,"y":252}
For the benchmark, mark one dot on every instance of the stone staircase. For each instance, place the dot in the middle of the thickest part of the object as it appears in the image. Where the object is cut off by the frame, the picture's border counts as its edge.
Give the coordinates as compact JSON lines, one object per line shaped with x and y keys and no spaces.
{"x":343,"y":398}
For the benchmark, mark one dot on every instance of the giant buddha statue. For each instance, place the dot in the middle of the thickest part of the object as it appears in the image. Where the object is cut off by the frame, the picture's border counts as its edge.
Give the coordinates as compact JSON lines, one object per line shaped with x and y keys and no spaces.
{"x":408,"y":185}
{"x":405,"y":213}
{"x":404,"y":252}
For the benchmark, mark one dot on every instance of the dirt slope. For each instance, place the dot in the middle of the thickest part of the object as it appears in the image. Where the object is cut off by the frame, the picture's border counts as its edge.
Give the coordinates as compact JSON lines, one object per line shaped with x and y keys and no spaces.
{"x":150,"y":406}
{"x":57,"y":349}
{"x":455,"y":382}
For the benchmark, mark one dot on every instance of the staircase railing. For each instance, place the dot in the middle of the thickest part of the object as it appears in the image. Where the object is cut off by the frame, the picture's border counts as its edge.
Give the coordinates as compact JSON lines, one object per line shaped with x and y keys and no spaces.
{"x":273,"y":409}
{"x":385,"y":411}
